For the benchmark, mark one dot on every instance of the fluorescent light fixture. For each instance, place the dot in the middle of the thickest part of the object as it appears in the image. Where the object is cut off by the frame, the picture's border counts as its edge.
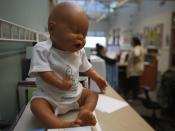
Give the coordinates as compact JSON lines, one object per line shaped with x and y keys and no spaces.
{"x":114,"y":4}
{"x":91,"y":41}
{"x":103,"y":16}
{"x":121,"y":3}
{"x":111,"y":10}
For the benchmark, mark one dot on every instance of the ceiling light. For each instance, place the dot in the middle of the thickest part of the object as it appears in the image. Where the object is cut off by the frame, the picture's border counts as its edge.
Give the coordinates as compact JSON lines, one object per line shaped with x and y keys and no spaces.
{"x":113,"y":4}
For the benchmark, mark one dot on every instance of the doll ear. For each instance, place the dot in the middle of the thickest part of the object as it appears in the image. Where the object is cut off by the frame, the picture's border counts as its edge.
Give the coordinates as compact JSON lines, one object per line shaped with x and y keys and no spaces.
{"x":51,"y":27}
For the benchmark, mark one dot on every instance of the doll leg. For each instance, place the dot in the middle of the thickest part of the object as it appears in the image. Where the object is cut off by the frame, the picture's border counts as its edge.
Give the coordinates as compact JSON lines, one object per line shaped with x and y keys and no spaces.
{"x":87,"y":103}
{"x":45,"y":114}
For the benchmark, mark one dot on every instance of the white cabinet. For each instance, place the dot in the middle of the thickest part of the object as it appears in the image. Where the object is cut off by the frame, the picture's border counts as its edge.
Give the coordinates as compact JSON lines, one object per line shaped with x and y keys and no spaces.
{"x":100,"y":67}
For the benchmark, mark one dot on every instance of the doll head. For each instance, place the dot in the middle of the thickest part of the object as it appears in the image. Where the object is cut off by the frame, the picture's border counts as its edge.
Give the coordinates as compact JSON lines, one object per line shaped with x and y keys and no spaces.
{"x":68,"y":26}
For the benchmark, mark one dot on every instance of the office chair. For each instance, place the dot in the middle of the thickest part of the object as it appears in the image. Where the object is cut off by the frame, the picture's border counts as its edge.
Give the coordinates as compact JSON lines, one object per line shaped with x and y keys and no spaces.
{"x":150,"y":105}
{"x":167,"y":91}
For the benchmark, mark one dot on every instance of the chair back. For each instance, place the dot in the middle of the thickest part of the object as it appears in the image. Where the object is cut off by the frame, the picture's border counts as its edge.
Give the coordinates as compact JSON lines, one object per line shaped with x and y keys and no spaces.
{"x":166,"y":93}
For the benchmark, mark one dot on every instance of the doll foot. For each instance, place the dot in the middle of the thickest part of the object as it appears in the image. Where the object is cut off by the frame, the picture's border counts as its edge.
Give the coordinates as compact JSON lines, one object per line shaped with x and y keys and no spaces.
{"x":86,"y":117}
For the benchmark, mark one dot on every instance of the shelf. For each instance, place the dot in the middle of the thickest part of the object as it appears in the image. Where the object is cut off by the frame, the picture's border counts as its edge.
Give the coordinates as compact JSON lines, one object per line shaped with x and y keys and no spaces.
{"x":12,"y":32}
{"x":17,"y":40}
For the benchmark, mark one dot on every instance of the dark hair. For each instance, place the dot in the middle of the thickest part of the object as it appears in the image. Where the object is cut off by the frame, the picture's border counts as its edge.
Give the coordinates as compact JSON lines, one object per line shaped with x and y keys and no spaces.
{"x":99,"y":47}
{"x":136,"y":41}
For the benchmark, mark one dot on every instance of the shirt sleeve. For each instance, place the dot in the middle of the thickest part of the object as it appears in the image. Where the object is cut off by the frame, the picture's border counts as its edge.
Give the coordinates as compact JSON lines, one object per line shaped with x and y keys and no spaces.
{"x":39,"y":61}
{"x":86,"y":65}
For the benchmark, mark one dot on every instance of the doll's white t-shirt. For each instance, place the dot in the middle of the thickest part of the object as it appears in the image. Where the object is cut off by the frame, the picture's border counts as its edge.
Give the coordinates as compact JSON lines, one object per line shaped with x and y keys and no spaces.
{"x":47,"y":58}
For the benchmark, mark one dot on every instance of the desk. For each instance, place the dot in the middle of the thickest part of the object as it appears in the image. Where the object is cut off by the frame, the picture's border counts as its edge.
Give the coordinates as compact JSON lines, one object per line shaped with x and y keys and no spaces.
{"x":125,"y":119}
{"x":148,"y":78}
{"x":22,"y":89}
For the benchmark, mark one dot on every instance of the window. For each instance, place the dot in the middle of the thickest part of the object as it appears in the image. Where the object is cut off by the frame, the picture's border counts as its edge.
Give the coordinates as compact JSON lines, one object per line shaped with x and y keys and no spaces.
{"x":91,"y":41}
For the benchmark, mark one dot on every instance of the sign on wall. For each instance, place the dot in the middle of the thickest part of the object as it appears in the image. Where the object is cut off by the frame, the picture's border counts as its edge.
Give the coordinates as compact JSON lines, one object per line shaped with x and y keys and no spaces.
{"x":154,"y":36}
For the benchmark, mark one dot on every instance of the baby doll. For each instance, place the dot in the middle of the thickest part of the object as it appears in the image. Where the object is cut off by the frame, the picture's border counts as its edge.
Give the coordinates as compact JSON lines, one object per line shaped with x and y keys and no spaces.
{"x":56,"y":64}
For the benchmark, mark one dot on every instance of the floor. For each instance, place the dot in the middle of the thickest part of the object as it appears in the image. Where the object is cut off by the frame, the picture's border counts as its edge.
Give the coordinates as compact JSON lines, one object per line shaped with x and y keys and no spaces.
{"x":138,"y":106}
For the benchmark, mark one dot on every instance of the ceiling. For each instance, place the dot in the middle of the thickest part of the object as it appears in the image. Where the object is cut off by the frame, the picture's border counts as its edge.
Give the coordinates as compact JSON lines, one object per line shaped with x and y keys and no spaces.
{"x":99,"y":9}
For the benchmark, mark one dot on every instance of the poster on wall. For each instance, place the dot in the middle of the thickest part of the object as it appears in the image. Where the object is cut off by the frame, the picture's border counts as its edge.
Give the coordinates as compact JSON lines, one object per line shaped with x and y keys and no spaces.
{"x":154,"y":36}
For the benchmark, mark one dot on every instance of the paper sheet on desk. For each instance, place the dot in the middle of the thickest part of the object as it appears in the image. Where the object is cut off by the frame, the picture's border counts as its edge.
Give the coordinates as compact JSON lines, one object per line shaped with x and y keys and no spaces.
{"x":109,"y":104}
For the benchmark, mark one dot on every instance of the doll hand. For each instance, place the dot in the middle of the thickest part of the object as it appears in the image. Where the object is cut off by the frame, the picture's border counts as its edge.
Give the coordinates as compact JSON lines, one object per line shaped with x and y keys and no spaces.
{"x":66,"y":83}
{"x":102,"y":84}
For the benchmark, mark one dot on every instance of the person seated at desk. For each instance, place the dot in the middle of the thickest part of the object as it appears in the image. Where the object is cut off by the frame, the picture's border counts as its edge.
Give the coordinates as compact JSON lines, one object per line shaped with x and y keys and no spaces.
{"x":56,"y":64}
{"x":111,"y":67}
{"x":135,"y":67}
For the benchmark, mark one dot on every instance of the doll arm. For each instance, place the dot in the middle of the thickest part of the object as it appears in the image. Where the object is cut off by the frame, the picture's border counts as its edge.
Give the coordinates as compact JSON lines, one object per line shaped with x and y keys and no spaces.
{"x":97,"y":78}
{"x":54,"y":80}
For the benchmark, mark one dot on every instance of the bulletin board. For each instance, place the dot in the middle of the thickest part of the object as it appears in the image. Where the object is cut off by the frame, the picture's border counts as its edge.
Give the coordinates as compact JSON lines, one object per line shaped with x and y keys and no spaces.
{"x":154,"y":36}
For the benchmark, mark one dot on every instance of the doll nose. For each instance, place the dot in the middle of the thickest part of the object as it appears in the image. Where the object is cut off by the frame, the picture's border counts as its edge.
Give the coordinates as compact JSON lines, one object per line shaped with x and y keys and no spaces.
{"x":80,"y":43}
{"x":80,"y":37}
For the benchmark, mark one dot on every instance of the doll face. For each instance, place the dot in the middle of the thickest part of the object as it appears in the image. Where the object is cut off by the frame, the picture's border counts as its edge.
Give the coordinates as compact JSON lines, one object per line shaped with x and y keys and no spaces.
{"x":69,"y":33}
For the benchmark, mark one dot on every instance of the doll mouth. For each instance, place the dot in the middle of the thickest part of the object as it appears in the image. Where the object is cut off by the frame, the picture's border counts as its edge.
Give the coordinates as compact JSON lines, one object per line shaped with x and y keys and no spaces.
{"x":78,"y":46}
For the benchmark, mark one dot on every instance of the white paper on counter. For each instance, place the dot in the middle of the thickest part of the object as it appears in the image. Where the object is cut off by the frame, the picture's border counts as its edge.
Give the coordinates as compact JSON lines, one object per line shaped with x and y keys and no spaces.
{"x":108,"y":104}
{"x":84,"y":128}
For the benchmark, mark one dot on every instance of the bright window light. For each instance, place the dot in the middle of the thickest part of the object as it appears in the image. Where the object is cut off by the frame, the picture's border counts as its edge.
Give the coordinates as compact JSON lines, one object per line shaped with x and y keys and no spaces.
{"x":91,"y":41}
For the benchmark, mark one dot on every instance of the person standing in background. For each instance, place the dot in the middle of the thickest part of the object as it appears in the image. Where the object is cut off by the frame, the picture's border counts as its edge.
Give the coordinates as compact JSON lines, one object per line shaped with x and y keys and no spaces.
{"x":135,"y":67}
{"x":111,"y":67}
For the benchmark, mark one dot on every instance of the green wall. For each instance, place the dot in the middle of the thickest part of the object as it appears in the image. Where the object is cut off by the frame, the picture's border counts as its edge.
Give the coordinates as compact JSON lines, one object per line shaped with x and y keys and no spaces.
{"x":29,"y":13}
{"x":11,"y":56}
